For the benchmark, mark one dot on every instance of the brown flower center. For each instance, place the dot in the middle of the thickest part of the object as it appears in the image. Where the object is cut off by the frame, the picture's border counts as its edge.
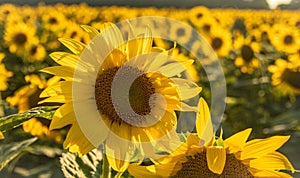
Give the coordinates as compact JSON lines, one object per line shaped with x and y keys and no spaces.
{"x":206,"y":27}
{"x":217,"y":43}
{"x":139,"y":94}
{"x":199,"y":15}
{"x":52,"y":20}
{"x":247,"y":53}
{"x":288,"y":39}
{"x":20,"y":39}
{"x":197,"y":167}
{"x":291,"y":77}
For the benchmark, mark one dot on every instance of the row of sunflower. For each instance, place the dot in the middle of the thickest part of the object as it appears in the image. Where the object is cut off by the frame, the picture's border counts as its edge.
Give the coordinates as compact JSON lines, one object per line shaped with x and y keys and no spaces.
{"x":260,"y":54}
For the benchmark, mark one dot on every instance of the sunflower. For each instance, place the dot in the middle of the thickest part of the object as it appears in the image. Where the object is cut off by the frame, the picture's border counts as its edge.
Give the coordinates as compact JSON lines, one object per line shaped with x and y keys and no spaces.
{"x":26,"y":98}
{"x":285,"y":38}
{"x":20,"y":37}
{"x":4,"y":74}
{"x":220,"y":41}
{"x":54,"y":21}
{"x":6,"y":10}
{"x":246,"y":59}
{"x":36,"y":53}
{"x":104,"y":82}
{"x":182,"y":33}
{"x":206,"y":156}
{"x":198,"y":14}
{"x":75,"y":32}
{"x":285,"y":76}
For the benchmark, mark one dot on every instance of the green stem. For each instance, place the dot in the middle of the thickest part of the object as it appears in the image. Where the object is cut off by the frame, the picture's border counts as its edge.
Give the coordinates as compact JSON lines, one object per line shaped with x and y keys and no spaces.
{"x":106,"y":168}
{"x":118,"y":175}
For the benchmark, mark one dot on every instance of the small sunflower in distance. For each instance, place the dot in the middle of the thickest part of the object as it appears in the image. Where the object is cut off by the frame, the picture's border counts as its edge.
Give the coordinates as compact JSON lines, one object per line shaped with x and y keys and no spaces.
{"x":20,"y":37}
{"x":285,"y":38}
{"x":102,"y":89}
{"x":206,"y":156}
{"x":286,"y":76}
{"x":246,"y":59}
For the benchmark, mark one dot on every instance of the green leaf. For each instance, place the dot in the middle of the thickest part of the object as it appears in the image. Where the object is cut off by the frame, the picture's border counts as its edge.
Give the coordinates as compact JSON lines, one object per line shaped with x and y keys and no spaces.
{"x":87,"y":166}
{"x":9,"y":151}
{"x":15,"y":120}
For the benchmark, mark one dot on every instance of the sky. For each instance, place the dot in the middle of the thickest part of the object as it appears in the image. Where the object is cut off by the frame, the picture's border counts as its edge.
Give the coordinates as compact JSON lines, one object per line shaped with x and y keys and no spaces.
{"x":274,"y":3}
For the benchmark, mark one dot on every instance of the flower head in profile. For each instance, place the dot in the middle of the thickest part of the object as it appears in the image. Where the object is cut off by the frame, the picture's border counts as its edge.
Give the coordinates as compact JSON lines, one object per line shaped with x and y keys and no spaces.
{"x":206,"y":156}
{"x":121,"y":93}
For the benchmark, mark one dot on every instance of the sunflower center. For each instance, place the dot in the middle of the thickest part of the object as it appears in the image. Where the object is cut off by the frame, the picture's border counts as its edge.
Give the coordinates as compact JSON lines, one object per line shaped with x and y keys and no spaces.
{"x":180,"y":32}
{"x":73,"y":34}
{"x":139,"y":95}
{"x":20,"y":38}
{"x":197,"y":167}
{"x":199,"y":15}
{"x":217,"y":43}
{"x":247,"y":53}
{"x":291,"y":77}
{"x":52,"y":20}
{"x":206,"y":27}
{"x":288,"y":39}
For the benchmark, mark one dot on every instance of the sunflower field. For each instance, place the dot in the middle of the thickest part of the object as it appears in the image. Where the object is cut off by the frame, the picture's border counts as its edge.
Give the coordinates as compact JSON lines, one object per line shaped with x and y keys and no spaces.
{"x":40,"y":51}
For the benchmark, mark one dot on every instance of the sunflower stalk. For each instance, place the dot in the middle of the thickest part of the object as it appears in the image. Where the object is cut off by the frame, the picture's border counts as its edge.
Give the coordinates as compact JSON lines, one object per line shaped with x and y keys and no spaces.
{"x":106,"y":168}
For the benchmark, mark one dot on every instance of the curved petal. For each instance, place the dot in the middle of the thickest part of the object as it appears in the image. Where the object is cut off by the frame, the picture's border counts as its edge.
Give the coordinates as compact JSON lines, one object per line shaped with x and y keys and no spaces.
{"x":119,"y":151}
{"x":65,"y":59}
{"x":91,"y":30}
{"x":153,"y":171}
{"x":64,"y":72}
{"x":77,"y":142}
{"x":272,"y":161}
{"x":259,"y":147}
{"x":237,"y":141}
{"x":268,"y":174}
{"x":75,"y":46}
{"x":187,"y":89}
{"x":216,"y":158}
{"x":63,"y":116}
{"x":175,"y":68}
{"x":203,"y":122}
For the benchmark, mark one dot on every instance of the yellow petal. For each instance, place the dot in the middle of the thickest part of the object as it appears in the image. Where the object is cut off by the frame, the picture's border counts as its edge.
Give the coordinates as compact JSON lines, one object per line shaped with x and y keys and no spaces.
{"x":64,"y":72}
{"x":65,"y":59}
{"x":56,"y":99}
{"x":58,"y":89}
{"x":112,"y":35}
{"x":75,"y":46}
{"x":77,"y":142}
{"x":216,"y":158}
{"x":153,"y":171}
{"x":268,"y":174}
{"x":119,"y":151}
{"x":259,"y":147}
{"x":203,"y":122}
{"x":91,"y":30}
{"x":187,"y":89}
{"x":1,"y":135}
{"x":272,"y":161}
{"x":237,"y":141}
{"x":173,"y":69}
{"x":63,"y":116}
